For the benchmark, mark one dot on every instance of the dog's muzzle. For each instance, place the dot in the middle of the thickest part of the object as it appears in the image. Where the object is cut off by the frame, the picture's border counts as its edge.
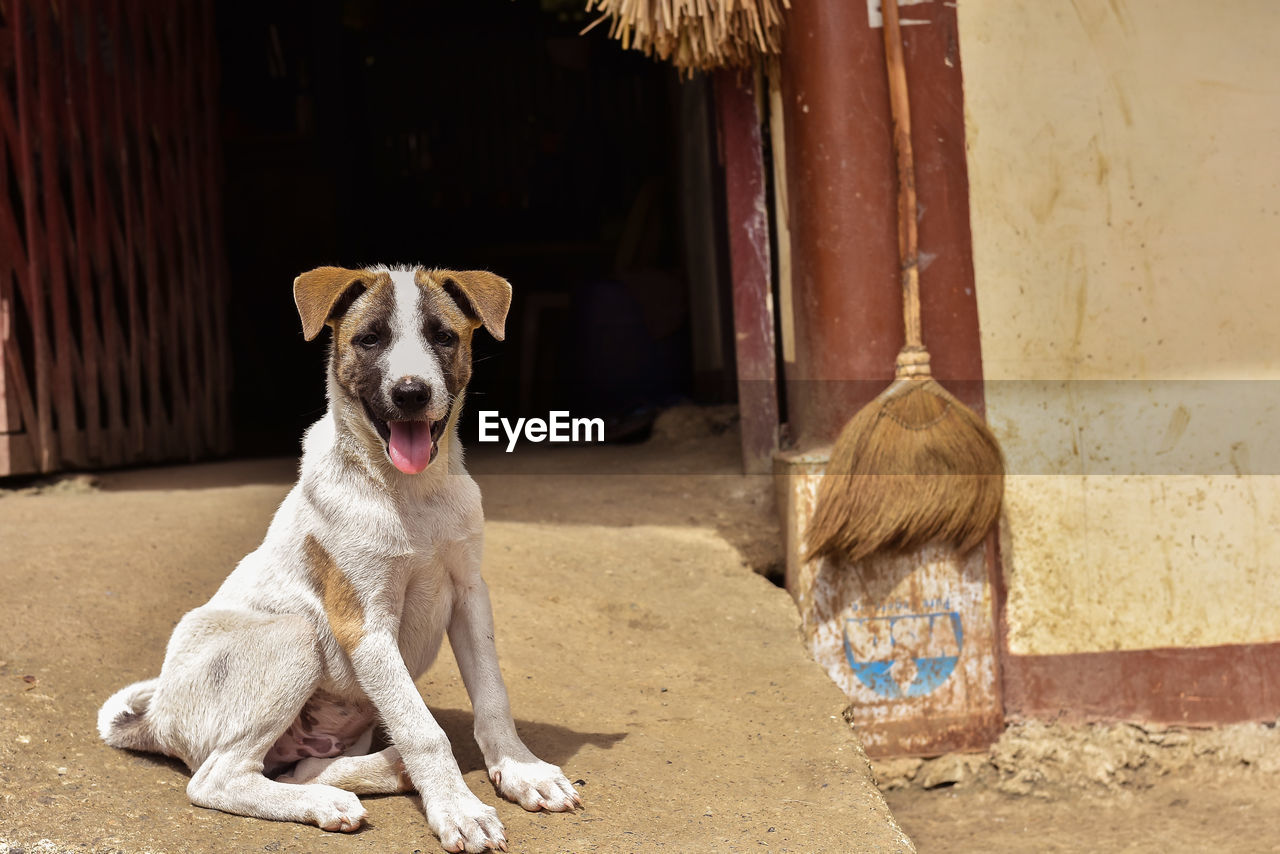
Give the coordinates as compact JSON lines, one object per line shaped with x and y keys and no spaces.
{"x":411,"y":445}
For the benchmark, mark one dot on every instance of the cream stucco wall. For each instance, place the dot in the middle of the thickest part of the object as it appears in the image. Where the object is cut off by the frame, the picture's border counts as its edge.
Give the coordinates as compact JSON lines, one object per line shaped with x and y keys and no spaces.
{"x":1124,"y":160}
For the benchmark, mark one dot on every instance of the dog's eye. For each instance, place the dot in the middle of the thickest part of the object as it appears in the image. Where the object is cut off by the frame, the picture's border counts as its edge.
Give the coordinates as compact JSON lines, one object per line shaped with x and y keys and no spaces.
{"x":446,"y":337}
{"x":369,"y":340}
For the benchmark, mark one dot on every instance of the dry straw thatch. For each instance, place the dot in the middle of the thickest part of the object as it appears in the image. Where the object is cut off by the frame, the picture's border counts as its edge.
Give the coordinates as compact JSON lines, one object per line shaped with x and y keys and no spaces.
{"x":696,"y":35}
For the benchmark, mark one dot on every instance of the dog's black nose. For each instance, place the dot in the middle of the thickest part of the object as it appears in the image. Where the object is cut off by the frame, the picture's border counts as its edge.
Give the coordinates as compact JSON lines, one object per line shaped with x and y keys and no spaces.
{"x":410,"y":394}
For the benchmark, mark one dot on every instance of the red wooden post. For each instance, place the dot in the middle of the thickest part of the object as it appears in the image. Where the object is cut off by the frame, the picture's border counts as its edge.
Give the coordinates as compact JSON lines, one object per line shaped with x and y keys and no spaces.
{"x":748,"y":219}
{"x":841,"y":192}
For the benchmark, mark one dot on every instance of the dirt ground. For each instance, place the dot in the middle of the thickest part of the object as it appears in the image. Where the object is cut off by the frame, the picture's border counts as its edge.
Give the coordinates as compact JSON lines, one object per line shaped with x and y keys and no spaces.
{"x":1100,"y":787}
{"x":1175,"y":817}
{"x":642,"y":652}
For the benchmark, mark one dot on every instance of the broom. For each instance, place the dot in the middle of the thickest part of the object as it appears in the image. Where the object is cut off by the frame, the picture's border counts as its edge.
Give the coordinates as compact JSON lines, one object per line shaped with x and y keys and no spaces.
{"x":915,"y":465}
{"x":695,"y":35}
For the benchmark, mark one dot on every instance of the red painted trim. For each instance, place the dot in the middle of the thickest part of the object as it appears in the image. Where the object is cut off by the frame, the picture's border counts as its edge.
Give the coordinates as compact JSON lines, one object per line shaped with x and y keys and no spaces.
{"x":749,"y":260}
{"x":999,"y":601}
{"x":1192,"y":685}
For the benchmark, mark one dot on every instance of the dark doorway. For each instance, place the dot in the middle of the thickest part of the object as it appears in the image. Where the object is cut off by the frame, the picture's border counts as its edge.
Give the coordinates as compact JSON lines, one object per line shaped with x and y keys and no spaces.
{"x":472,"y":134}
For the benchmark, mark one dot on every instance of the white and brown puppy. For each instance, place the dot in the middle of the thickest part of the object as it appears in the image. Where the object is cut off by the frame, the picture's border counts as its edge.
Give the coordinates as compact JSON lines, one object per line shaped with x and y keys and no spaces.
{"x":270,"y":691}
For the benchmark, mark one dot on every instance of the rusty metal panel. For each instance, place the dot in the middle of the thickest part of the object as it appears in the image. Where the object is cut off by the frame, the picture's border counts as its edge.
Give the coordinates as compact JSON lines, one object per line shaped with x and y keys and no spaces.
{"x":909,"y":637}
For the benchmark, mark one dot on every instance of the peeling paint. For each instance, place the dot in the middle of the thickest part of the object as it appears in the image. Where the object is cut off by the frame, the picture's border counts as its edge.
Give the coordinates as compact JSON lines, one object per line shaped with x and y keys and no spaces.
{"x":875,"y":18}
{"x":907,"y":636}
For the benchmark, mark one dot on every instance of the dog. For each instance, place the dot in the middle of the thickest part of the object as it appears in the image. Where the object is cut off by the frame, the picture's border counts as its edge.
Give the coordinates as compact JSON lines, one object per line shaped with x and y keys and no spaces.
{"x":271,"y":691}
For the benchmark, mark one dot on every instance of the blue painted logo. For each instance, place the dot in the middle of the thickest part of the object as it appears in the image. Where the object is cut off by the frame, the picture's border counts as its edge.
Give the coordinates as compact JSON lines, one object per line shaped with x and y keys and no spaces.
{"x":908,"y":655}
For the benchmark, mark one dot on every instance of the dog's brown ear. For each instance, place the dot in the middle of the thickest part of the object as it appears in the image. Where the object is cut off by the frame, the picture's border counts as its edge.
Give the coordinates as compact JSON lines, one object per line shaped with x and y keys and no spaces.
{"x":325,"y":293}
{"x":484,"y":297}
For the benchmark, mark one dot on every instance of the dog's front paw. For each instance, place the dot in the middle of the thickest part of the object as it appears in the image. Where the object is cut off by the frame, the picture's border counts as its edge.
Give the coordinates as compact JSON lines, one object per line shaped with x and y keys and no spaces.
{"x":534,"y":785}
{"x":465,"y":823}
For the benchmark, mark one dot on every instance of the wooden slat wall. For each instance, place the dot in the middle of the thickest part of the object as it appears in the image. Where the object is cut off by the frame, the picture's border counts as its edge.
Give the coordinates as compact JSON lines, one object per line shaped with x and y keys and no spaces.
{"x":113,"y":328}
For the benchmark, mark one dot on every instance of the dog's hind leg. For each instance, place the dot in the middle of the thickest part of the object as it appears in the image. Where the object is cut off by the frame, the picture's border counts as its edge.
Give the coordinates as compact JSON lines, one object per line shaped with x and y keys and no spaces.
{"x":235,"y":784}
{"x":380,"y":773}
{"x":231,"y":686}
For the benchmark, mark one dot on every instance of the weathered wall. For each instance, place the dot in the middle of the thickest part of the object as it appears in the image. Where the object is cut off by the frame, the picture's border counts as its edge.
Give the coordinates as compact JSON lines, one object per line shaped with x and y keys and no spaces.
{"x":1125,"y":199}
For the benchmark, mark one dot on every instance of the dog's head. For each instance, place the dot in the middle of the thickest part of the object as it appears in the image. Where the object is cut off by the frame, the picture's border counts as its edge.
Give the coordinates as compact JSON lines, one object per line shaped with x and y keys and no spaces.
{"x":401,"y":351}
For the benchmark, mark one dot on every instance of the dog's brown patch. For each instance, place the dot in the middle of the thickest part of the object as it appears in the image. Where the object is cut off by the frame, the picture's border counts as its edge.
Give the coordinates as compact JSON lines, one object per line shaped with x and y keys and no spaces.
{"x":483,"y":296}
{"x":324,"y":293}
{"x":370,"y":314}
{"x":442,"y":310}
{"x":341,"y":602}
{"x":356,"y":367}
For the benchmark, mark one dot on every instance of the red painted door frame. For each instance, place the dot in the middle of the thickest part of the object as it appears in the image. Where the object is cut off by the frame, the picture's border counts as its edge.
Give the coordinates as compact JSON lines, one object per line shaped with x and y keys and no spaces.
{"x":746,"y":207}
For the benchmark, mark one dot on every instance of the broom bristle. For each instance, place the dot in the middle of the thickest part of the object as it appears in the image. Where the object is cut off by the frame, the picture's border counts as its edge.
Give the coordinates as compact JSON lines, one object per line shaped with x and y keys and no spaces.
{"x":696,"y":35}
{"x":914,"y":466}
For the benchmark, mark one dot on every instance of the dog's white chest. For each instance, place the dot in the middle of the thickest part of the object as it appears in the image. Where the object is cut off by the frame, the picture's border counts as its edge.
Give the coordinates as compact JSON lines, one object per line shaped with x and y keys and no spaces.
{"x":428,"y":605}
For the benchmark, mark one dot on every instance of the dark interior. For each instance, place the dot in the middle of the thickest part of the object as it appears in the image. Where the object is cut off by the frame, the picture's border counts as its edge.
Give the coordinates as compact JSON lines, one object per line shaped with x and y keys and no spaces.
{"x":477,"y":134}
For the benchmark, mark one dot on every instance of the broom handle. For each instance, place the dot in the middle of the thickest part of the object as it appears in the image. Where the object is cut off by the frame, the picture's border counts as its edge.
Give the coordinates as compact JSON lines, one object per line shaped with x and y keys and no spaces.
{"x":914,"y":360}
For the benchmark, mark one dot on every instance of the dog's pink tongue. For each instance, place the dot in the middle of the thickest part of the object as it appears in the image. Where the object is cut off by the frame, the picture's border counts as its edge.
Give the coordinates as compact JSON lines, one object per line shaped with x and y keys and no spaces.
{"x":410,"y":445}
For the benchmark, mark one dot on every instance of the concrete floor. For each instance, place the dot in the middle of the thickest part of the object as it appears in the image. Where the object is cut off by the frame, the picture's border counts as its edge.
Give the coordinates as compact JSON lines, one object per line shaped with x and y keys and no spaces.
{"x":643,"y":655}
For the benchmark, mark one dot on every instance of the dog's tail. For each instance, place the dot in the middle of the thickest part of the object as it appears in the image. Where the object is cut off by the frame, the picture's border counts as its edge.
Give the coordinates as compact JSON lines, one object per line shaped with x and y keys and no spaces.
{"x":122,"y":721}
